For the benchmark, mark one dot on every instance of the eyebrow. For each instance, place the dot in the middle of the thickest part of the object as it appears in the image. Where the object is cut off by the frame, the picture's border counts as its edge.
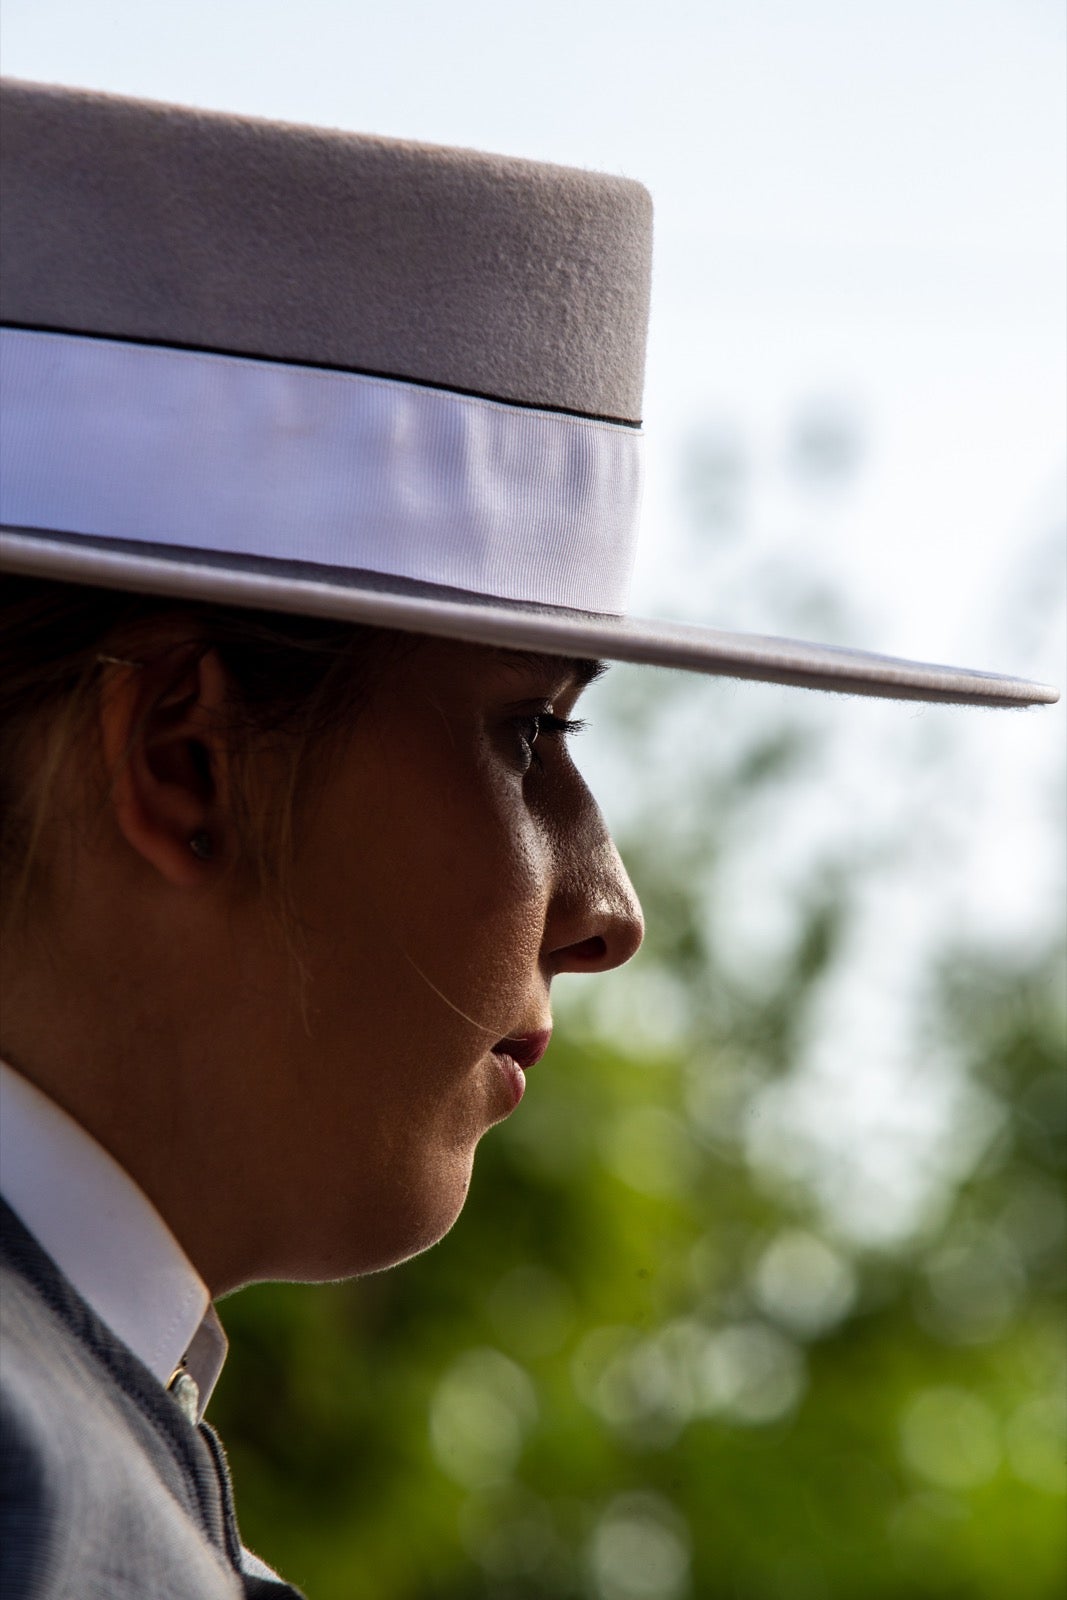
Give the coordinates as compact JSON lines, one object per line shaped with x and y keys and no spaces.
{"x":577,"y":669}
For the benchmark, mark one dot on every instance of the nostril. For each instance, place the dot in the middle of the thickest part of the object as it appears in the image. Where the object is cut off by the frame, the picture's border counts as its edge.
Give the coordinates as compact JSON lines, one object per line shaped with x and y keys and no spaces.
{"x":589,"y":952}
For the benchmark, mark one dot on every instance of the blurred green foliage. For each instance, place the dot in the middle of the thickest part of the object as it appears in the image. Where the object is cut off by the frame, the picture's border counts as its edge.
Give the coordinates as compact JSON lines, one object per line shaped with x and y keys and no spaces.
{"x":648,"y":1364}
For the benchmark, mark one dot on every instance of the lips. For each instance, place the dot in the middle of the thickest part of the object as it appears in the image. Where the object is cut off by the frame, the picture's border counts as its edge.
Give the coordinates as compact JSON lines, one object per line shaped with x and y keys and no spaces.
{"x":524,"y":1049}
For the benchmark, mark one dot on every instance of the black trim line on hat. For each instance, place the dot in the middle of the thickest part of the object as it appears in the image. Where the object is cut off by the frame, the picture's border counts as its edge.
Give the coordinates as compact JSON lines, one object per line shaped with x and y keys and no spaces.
{"x":320,"y":366}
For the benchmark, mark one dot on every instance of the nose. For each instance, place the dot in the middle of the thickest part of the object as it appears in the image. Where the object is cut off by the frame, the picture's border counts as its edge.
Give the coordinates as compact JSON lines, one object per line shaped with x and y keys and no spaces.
{"x":595,"y":921}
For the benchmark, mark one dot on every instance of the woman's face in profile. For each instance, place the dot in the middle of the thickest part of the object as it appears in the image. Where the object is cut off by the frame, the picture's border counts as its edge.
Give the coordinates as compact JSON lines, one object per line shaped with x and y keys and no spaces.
{"x":450,"y":865}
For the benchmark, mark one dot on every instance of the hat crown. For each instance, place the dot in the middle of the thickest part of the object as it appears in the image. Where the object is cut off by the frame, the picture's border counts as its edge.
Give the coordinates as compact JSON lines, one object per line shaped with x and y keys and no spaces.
{"x":514,"y":279}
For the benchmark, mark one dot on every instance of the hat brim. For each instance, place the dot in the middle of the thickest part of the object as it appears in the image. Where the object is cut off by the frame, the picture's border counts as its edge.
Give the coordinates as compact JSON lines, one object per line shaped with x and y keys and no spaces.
{"x":382,"y":601}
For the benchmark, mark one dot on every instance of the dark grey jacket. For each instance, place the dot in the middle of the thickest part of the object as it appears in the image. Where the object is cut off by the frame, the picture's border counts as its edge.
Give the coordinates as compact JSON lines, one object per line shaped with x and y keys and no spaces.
{"x":108,"y":1491}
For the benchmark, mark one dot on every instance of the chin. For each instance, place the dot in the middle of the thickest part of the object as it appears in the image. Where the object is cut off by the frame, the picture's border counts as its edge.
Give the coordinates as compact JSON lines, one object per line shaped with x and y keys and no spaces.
{"x":396,"y":1223}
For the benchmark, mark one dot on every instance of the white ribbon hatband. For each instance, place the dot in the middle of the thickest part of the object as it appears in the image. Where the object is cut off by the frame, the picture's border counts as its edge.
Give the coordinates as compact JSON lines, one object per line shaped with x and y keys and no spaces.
{"x":257,"y":458}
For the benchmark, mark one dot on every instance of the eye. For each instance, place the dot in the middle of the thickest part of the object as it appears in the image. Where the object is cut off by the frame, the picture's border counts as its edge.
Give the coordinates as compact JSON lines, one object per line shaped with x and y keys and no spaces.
{"x":541,"y":726}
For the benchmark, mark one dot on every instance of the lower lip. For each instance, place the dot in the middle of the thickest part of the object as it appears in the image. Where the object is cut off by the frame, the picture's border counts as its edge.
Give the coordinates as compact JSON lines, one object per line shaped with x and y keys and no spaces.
{"x":512,"y":1076}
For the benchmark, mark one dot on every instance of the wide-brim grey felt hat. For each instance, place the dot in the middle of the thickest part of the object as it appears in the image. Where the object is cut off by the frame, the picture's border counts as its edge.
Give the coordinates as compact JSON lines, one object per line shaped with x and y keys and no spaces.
{"x":347,"y":376}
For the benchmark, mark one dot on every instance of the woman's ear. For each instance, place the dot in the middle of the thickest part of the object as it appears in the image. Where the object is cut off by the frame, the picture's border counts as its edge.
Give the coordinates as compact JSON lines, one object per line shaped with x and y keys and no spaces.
{"x":162,"y":734}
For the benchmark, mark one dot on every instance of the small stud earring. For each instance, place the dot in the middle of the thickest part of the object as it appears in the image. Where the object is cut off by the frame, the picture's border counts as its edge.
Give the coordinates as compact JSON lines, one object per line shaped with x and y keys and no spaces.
{"x":201,"y":846}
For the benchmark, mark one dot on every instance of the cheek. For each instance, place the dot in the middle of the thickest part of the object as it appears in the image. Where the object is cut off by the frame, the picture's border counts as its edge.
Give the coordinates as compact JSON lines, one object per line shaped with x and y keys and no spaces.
{"x":450,"y":874}
{"x":483,"y":879}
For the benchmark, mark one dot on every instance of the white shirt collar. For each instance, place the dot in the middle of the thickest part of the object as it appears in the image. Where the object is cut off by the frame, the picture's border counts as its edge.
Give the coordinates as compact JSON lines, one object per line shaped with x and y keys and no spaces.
{"x":104,"y":1233}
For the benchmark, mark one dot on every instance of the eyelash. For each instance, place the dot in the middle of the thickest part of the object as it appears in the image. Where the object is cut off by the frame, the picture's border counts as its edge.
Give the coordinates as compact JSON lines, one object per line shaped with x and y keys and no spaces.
{"x":544,"y":725}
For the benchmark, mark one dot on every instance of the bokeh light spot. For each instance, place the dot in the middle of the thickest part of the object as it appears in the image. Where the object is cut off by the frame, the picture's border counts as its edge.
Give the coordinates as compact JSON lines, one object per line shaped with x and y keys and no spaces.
{"x":640,"y":1551}
{"x":949,"y":1437}
{"x":479,"y":1414}
{"x":801,"y":1282}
